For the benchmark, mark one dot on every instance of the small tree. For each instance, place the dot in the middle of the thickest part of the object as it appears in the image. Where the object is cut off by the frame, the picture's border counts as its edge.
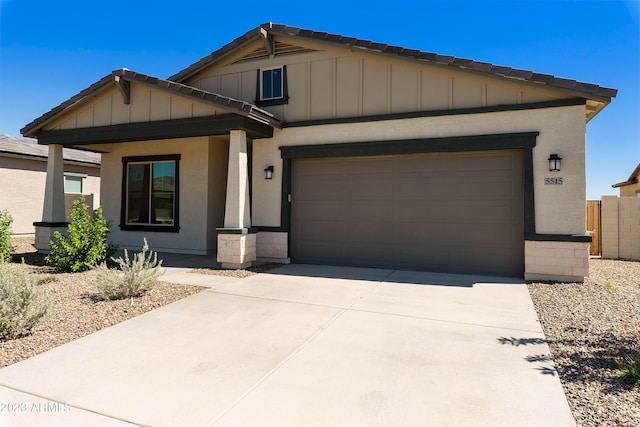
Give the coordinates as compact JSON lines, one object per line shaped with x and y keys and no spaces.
{"x":86,"y":244}
{"x":5,"y":235}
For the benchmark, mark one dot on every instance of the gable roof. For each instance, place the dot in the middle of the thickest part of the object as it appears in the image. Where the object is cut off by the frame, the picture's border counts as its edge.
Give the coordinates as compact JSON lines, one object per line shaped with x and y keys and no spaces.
{"x":230,"y":104}
{"x":633,"y":178}
{"x":582,"y":89}
{"x":29,"y":148}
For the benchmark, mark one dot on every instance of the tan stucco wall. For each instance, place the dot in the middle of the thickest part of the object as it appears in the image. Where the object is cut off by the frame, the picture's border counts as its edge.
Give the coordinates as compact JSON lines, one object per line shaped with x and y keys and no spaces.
{"x":195,"y":216}
{"x":631,"y":190}
{"x":559,"y":209}
{"x":338,"y":82}
{"x":22,"y":189}
{"x":217,"y":188}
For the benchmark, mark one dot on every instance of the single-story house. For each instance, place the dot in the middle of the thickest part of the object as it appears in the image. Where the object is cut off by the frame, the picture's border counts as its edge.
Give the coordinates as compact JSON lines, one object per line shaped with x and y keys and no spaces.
{"x":23,"y":173}
{"x":295,"y":145}
{"x":630,"y":187}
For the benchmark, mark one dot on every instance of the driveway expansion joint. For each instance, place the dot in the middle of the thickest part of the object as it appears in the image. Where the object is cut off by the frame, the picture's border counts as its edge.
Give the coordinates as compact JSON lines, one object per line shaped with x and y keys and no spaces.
{"x":80,"y":408}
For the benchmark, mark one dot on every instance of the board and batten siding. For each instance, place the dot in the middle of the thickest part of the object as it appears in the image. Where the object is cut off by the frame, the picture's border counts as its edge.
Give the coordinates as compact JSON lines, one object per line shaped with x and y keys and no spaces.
{"x":337,"y":82}
{"x":147,"y":104}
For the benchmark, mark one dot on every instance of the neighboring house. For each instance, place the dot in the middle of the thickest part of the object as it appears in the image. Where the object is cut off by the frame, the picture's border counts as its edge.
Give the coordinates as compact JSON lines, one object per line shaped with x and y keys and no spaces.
{"x":630,"y":187}
{"x":23,"y":172}
{"x":291,"y":144}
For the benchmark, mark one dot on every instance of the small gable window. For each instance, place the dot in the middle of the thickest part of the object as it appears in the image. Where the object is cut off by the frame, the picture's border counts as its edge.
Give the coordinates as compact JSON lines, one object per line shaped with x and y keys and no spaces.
{"x":272,"y":86}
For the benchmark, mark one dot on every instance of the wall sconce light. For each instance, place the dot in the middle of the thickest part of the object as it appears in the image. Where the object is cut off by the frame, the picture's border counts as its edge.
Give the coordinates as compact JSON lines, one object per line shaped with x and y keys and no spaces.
{"x":268,"y":172}
{"x":554,"y":163}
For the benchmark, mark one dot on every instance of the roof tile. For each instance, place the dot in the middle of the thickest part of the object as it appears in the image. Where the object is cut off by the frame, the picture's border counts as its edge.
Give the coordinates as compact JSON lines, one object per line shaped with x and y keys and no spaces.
{"x":481,"y":66}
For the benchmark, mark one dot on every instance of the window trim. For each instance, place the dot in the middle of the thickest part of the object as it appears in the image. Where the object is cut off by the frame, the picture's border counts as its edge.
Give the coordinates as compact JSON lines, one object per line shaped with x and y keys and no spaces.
{"x":284,"y":99}
{"x":175,"y":227}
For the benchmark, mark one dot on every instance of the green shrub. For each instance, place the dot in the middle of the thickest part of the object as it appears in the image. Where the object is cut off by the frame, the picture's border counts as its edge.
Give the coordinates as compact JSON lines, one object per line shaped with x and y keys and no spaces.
{"x":133,"y":279}
{"x":5,"y":236}
{"x":630,"y":371}
{"x":86,"y":243}
{"x":19,"y":311}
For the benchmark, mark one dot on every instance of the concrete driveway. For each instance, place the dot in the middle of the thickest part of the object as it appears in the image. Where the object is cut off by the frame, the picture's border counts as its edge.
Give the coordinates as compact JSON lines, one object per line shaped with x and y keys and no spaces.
{"x":305,"y":346}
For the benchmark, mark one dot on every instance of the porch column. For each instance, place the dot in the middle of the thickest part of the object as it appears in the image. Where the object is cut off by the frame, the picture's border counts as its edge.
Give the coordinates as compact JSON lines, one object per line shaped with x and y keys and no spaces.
{"x":236,"y":241}
{"x":53,"y":211}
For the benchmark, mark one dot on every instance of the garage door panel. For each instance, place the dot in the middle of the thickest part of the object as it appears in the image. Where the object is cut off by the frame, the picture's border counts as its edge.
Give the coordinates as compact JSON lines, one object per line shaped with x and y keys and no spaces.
{"x":452,"y":212}
{"x":367,"y":187}
{"x":320,"y":211}
{"x":489,"y":164}
{"x":327,"y":188}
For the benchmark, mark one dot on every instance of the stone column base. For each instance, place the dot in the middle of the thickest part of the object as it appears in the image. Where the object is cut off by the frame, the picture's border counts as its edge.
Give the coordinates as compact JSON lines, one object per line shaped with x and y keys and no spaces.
{"x":556,"y":261}
{"x":236,"y":248}
{"x":44,"y":234}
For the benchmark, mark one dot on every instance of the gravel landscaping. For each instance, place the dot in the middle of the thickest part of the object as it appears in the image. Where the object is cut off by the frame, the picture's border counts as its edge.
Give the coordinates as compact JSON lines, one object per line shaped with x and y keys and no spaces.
{"x":254,"y":269}
{"x":588,"y":327}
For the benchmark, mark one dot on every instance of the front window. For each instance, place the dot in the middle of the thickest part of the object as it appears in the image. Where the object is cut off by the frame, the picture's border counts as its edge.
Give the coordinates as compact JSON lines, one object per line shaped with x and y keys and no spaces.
{"x":150,"y":193}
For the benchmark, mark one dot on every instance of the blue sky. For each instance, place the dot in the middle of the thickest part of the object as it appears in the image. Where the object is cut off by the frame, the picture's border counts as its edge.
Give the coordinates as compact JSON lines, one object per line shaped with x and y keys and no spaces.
{"x":50,"y":50}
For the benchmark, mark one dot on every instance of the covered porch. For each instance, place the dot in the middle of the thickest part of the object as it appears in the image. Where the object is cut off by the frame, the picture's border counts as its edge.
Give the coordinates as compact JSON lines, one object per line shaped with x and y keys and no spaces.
{"x":183,"y":183}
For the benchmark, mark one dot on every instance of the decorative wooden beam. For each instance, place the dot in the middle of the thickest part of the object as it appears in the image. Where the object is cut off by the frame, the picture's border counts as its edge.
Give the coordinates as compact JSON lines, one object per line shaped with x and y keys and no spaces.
{"x":125,"y":88}
{"x":267,"y":39}
{"x":221,"y":124}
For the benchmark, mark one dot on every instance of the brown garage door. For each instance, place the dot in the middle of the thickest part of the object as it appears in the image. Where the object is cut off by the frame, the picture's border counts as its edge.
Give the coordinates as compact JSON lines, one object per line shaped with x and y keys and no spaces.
{"x":452,"y":212}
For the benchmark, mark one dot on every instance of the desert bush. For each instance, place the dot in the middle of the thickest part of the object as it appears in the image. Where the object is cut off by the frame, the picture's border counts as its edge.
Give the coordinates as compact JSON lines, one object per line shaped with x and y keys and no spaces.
{"x":86,"y":243}
{"x":5,"y":235}
{"x":19,"y":309}
{"x":630,"y":371}
{"x":132,"y":279}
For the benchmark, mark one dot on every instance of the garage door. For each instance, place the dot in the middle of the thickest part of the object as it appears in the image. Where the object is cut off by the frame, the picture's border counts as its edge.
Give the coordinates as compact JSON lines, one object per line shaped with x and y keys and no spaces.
{"x":452,"y":212}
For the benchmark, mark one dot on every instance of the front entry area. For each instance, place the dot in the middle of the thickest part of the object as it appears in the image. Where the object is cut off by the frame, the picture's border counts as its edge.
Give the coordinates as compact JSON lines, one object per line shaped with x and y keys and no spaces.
{"x":445,"y":212}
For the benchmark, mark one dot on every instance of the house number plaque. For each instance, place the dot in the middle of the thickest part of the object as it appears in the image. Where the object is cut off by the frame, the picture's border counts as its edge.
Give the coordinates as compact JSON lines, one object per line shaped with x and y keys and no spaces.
{"x":553,"y":181}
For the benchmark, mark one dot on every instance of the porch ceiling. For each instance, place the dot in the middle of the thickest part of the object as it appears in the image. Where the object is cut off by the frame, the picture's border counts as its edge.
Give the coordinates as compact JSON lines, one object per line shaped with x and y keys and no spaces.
{"x":162,"y":129}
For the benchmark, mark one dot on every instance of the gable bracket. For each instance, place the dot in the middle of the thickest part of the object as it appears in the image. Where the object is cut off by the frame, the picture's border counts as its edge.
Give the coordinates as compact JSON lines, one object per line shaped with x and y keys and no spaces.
{"x":267,"y":39}
{"x":125,"y":88}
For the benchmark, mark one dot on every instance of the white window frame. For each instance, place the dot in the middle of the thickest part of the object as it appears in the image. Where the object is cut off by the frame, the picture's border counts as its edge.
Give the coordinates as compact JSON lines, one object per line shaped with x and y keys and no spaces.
{"x":262,"y":70}
{"x":82,"y":176}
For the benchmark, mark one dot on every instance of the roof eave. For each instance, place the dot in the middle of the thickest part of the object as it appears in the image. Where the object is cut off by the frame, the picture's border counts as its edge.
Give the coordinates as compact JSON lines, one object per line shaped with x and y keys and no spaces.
{"x":235,"y":106}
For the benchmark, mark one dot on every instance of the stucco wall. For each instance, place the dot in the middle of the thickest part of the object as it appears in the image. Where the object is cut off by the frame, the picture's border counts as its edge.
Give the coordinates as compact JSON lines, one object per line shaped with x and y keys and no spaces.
{"x":559,"y":209}
{"x":23,"y":184}
{"x":631,"y":190}
{"x":217,"y":188}
{"x":194,"y":185}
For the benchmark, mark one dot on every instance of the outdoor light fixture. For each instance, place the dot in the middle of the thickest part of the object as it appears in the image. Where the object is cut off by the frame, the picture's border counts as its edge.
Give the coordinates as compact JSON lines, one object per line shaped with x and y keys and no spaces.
{"x":554,"y":163}
{"x":268,"y":172}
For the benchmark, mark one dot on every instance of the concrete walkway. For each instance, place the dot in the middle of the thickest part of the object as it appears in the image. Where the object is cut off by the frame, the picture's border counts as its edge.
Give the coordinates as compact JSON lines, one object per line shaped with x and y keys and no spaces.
{"x":305,"y":346}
